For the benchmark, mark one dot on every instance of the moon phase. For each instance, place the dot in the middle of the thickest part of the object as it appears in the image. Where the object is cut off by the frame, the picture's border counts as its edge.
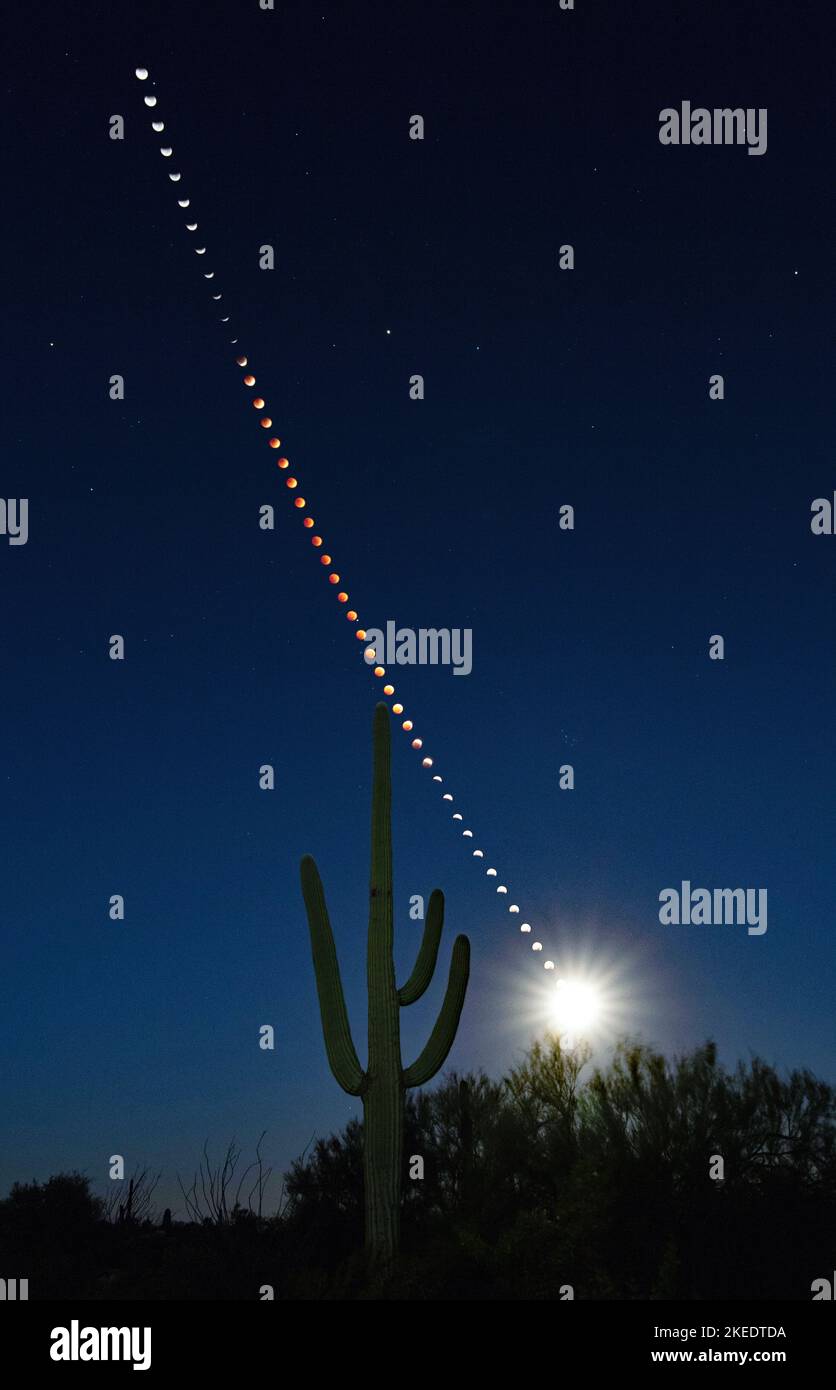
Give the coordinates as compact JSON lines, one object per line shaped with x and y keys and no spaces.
{"x":266,"y":423}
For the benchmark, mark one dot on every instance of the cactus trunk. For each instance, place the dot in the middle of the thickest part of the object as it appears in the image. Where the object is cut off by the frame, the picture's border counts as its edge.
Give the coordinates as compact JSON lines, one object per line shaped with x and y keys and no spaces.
{"x":383,"y":1118}
{"x":383,"y":1124}
{"x":383,"y":1084}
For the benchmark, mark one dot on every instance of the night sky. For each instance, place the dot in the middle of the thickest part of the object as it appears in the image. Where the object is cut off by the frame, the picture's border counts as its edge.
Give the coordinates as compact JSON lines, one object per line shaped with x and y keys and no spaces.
{"x":543,"y":387}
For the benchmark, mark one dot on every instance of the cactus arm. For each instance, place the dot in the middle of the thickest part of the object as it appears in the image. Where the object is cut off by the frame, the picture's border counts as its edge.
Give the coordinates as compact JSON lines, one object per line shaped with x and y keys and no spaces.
{"x":441,"y":1038}
{"x":336,"y":1029}
{"x":425,"y":964}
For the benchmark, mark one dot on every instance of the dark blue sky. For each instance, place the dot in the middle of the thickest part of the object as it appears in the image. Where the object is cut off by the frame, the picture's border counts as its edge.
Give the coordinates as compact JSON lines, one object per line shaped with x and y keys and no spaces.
{"x":542,"y":387}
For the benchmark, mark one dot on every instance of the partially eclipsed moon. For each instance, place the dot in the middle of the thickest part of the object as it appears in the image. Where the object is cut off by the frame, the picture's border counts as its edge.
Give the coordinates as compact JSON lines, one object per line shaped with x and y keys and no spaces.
{"x":141,"y":73}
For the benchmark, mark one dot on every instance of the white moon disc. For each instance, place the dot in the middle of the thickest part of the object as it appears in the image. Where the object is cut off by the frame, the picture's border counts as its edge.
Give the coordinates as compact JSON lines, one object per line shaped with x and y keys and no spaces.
{"x":175,"y":178}
{"x":150,"y":101}
{"x":158,"y":126}
{"x":436,"y":778}
{"x":191,"y":226}
{"x":536,"y":945}
{"x":217,"y":296}
{"x":491,"y":873}
{"x":468,"y":833}
{"x":166,"y":151}
{"x":226,"y":320}
{"x":524,"y":926}
{"x":200,"y":250}
{"x":141,"y":73}
{"x":457,"y":815}
{"x":502,"y":888}
{"x":183,"y":202}
{"x":513,"y":907}
{"x":210,"y":275}
{"x":447,"y":797}
{"x":548,"y":964}
{"x":477,"y":854}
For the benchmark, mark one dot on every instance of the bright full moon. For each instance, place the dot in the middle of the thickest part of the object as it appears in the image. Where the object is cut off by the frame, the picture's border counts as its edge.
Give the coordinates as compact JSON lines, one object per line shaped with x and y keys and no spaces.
{"x":576,"y":1006}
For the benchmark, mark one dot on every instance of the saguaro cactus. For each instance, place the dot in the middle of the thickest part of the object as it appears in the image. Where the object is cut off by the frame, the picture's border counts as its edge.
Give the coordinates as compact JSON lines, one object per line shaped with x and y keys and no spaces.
{"x":383,"y":1084}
